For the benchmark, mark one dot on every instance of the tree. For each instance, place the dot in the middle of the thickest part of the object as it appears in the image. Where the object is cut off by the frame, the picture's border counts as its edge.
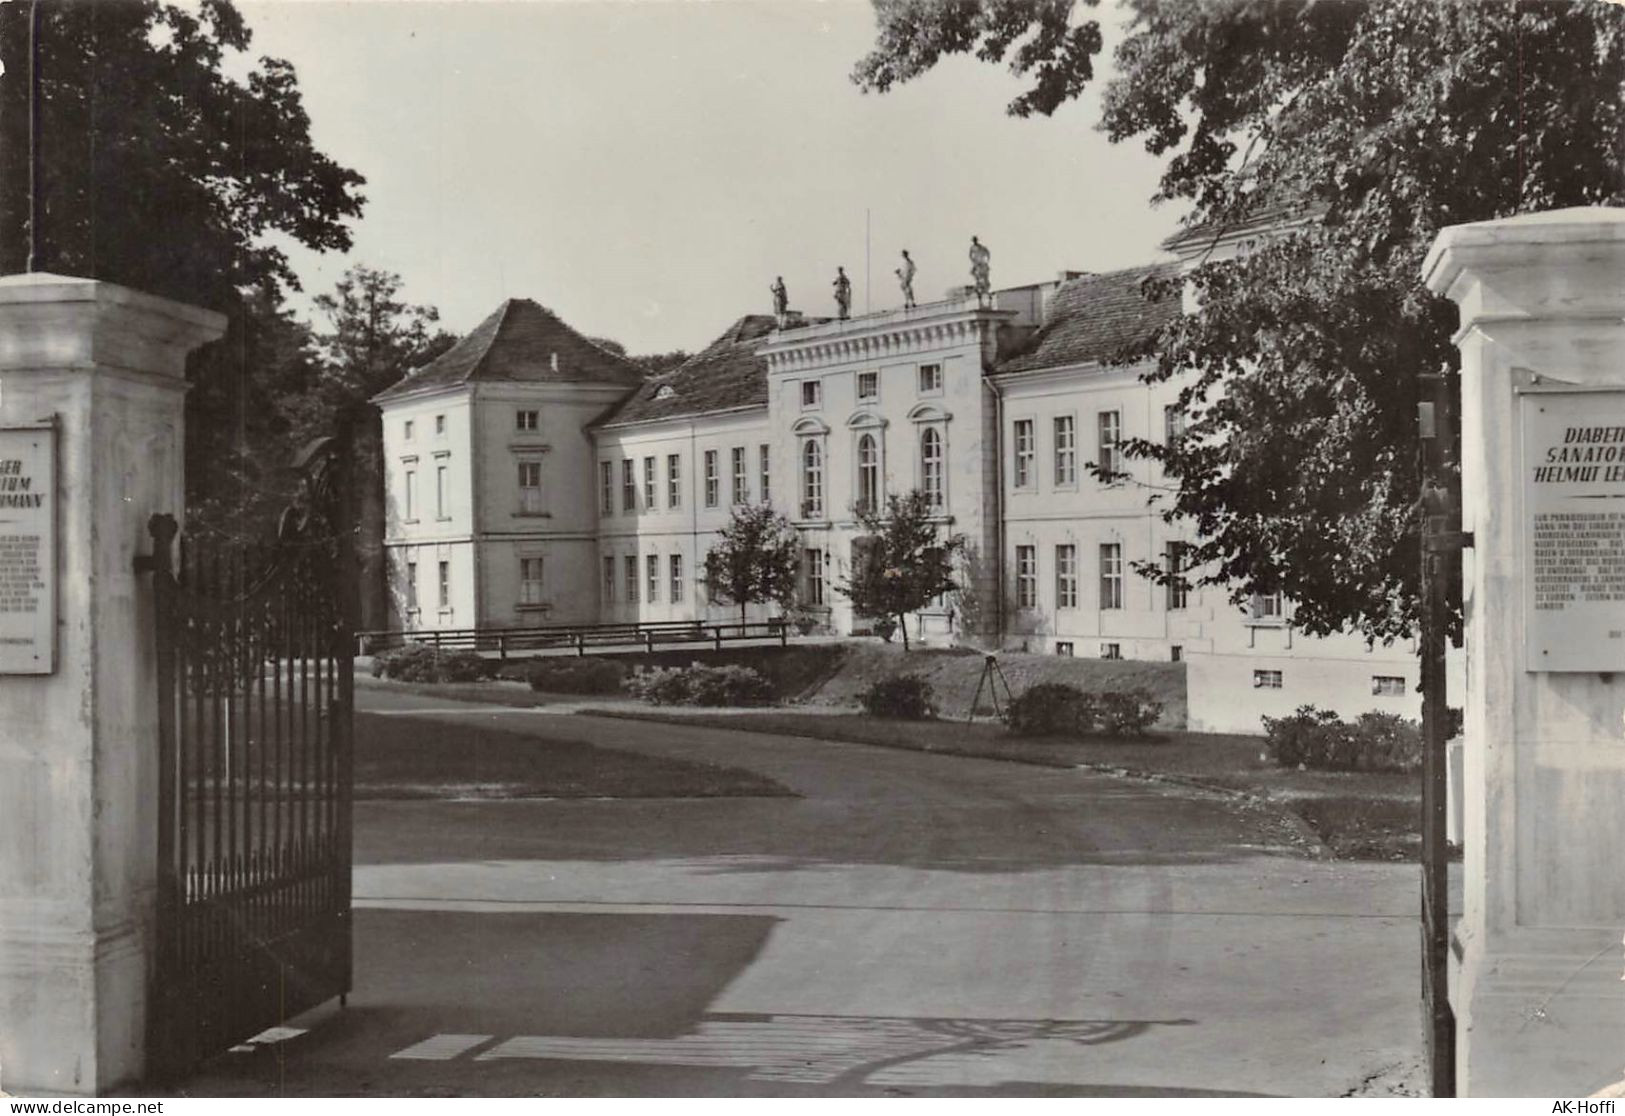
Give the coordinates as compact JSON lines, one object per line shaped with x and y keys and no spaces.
{"x":754,"y":560}
{"x":904,"y":562}
{"x":161,"y":172}
{"x":1358,"y":131}
{"x":373,"y":339}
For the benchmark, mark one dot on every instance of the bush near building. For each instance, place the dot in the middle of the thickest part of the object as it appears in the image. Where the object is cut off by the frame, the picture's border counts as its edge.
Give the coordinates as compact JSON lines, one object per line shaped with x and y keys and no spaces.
{"x":1058,"y":709}
{"x":576,"y":676}
{"x":1318,"y":739}
{"x":419,"y":662}
{"x":907,"y":696}
{"x":701,"y":685}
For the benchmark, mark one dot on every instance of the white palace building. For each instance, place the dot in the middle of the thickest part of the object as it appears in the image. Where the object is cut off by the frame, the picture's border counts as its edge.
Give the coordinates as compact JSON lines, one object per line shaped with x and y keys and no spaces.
{"x":536,"y":478}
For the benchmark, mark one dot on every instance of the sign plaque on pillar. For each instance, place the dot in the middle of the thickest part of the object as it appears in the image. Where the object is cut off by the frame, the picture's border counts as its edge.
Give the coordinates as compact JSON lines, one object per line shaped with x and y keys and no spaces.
{"x":28,"y":550}
{"x":1574,"y":530}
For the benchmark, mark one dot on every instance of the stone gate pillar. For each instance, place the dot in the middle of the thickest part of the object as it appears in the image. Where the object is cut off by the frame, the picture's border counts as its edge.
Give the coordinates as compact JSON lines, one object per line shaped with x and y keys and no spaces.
{"x":104,"y":367}
{"x":1538,"y":997}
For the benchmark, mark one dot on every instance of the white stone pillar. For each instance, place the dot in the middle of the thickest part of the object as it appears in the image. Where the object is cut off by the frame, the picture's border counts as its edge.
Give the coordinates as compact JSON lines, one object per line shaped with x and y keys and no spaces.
{"x":1539,"y":1001}
{"x":78,"y":747}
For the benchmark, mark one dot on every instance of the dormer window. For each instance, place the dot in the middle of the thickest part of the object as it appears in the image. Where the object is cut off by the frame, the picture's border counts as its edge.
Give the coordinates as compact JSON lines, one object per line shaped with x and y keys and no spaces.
{"x":664,"y":392}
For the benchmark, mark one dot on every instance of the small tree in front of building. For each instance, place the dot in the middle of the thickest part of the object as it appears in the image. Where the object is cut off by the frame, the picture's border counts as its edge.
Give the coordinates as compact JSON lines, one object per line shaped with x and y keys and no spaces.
{"x":903,"y":563}
{"x":755,"y":559}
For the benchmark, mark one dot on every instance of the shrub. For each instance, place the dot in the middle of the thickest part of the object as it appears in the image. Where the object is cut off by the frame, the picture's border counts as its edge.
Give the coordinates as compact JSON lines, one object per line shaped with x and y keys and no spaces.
{"x":701,"y":685}
{"x":907,"y":696}
{"x":884,"y":627}
{"x":1127,"y":714}
{"x":1319,"y":739}
{"x":1050,"y":708}
{"x":576,"y":676}
{"x":421,"y":662}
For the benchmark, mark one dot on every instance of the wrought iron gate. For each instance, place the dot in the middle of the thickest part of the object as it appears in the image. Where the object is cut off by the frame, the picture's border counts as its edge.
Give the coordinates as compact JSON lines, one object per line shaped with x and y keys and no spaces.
{"x":255,"y":732}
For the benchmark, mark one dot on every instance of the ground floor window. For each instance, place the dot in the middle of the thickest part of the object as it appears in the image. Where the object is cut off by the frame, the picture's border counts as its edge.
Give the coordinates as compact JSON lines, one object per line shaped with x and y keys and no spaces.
{"x":445,"y":584}
{"x":530,"y":581}
{"x":813,"y":563}
{"x":1266,"y":680}
{"x":1388,"y":685}
{"x":609,"y":579}
{"x":1176,"y":653}
{"x":412,"y":586}
{"x":676,"y":579}
{"x":1066,"y":576}
{"x":1063,"y":648}
{"x":1111,"y":575}
{"x":652,"y":563}
{"x":1111,"y":650}
{"x":1026,"y":577}
{"x":631,"y":568}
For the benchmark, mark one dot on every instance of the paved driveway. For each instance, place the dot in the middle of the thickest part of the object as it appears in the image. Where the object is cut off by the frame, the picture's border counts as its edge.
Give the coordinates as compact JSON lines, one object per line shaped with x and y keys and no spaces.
{"x":912,"y":924}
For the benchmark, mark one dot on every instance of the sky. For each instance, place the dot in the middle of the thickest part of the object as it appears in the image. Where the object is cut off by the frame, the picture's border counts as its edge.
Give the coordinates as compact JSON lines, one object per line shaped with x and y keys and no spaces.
{"x":645,"y":169}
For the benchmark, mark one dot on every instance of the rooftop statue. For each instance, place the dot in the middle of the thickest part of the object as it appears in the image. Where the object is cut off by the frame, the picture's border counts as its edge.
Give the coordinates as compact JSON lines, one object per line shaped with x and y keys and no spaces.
{"x":843,"y":294}
{"x":980,"y":271}
{"x":905,"y":278}
{"x":781,"y":299}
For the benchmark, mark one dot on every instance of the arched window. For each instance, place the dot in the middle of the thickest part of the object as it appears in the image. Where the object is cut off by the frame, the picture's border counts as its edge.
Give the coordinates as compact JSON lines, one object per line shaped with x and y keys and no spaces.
{"x":931,"y":466}
{"x":868,"y":473}
{"x":812,"y":479}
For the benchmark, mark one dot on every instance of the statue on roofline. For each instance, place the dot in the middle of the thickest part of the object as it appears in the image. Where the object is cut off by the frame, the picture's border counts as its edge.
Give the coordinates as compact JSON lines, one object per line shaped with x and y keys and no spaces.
{"x":980,"y":271}
{"x":781,"y":299}
{"x":843,"y":294}
{"x":905,"y":279}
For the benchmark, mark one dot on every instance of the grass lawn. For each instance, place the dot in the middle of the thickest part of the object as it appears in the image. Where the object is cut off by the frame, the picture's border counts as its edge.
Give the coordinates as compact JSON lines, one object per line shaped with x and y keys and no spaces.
{"x":409,"y":757}
{"x":1358,"y":815}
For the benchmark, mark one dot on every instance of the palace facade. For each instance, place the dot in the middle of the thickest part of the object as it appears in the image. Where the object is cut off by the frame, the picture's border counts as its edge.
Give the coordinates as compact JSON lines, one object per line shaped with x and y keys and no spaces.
{"x":537,"y":478}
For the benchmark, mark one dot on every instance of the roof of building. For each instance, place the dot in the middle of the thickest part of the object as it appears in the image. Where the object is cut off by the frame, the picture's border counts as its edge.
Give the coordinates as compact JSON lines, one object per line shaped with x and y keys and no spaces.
{"x":1094,"y":318}
{"x":726,"y":375}
{"x":522,"y":342}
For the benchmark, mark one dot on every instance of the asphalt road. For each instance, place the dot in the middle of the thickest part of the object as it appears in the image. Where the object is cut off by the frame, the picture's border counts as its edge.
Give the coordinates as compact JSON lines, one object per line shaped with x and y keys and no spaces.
{"x":910,"y":925}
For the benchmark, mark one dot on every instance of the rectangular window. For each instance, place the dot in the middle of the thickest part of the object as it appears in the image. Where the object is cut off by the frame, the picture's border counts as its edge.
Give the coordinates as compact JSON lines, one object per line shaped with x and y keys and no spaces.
{"x":741,"y":483}
{"x":445,"y":585}
{"x":652,"y":565}
{"x":812,"y":393}
{"x":766,"y":455}
{"x":1111,"y":434}
{"x":1023,"y":441}
{"x":530,"y":581}
{"x":530,"y":488}
{"x":407,"y":428}
{"x":1267,"y":607}
{"x":1176,"y":653}
{"x":606,"y":485}
{"x":1026,"y":576}
{"x":1066,"y":451}
{"x":1111,"y":650}
{"x":411,"y":495}
{"x":1063,"y":648}
{"x":629,"y":485}
{"x":814,"y":563}
{"x":440,"y":424}
{"x":609,"y":579}
{"x":411,"y":586}
{"x":868,"y":385}
{"x":711,"y":481}
{"x":1173,"y":423}
{"x":631,"y":568}
{"x":442,"y":493}
{"x":1111,"y":575}
{"x":1388,"y":685}
{"x":930,"y":379}
{"x":1266,"y":680}
{"x":674,"y":481}
{"x":676,"y":579}
{"x":1066,"y":576}
{"x":649,"y":501}
{"x":1179,"y":590}
{"x":524,"y":420}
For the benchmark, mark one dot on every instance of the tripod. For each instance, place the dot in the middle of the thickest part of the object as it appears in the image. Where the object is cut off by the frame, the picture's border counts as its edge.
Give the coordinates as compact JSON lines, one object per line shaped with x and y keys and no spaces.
{"x":991,"y":678}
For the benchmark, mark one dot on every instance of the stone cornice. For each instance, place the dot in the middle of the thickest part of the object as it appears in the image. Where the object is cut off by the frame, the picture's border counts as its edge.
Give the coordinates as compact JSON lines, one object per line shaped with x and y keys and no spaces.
{"x":882,"y":336}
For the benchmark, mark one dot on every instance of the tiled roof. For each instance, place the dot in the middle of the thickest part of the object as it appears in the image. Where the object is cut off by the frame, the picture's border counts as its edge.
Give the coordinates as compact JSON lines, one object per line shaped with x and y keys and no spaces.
{"x":521,"y":342}
{"x":1096,"y":317}
{"x":725,"y":375}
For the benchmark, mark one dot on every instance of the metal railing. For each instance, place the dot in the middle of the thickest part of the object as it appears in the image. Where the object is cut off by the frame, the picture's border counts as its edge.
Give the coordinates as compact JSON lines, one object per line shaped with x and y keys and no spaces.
{"x":577,"y":637}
